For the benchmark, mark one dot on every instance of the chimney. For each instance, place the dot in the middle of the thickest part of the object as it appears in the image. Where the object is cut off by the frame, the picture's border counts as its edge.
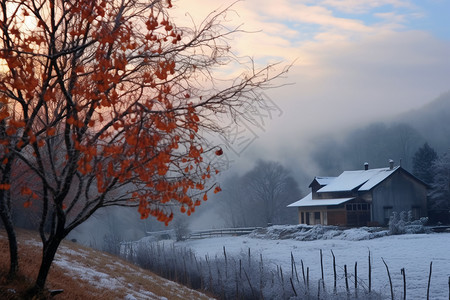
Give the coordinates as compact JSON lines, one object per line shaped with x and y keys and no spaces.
{"x":366,"y":166}
{"x":391,"y":164}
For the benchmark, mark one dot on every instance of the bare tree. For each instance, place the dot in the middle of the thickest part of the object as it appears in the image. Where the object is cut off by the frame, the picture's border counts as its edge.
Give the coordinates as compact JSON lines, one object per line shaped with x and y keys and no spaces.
{"x":105,"y":104}
{"x":235,"y":205}
{"x":260,"y":196}
{"x":272,"y":188}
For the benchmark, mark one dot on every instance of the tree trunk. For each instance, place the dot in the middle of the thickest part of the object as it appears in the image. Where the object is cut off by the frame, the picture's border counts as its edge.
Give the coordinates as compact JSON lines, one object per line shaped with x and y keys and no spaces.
{"x":12,"y":239}
{"x":48,"y":254}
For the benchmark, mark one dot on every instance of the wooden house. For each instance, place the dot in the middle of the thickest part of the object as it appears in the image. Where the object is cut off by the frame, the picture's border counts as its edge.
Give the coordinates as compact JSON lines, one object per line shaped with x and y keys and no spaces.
{"x":362,"y":198}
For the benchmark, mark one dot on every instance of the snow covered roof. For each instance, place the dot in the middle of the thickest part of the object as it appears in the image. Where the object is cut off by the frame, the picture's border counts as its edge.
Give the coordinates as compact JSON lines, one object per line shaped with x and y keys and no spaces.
{"x":324,"y":180}
{"x":308,"y":201}
{"x":364,"y":180}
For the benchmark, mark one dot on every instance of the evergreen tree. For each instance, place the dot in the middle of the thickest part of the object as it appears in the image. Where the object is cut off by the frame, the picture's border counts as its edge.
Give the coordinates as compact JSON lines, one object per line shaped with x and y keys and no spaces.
{"x":423,"y":163}
{"x":439,"y":198}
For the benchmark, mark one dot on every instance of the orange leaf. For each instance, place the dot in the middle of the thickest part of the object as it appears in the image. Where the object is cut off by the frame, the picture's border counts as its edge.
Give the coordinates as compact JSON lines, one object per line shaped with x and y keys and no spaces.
{"x":16,"y":124}
{"x":11,"y":131}
{"x":5,"y":186}
{"x":27,"y":204}
{"x":51,"y":131}
{"x":131,"y":140}
{"x":25,"y":191}
{"x":205,"y":197}
{"x":79,"y":69}
{"x":70,"y":120}
{"x":217,"y":189}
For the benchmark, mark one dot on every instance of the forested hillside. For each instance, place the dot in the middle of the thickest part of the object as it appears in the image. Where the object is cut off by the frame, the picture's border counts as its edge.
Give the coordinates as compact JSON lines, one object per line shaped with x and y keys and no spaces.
{"x":432,"y":121}
{"x":397,"y":139}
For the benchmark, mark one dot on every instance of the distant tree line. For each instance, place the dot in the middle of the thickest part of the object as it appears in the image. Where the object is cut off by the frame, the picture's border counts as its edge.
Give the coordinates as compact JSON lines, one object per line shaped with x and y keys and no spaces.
{"x":375,"y":144}
{"x":259,"y":197}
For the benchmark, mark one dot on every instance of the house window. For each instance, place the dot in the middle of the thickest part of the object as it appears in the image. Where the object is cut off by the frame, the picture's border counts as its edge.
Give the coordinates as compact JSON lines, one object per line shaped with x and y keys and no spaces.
{"x":317,"y":217}
{"x":302,"y":218}
{"x":387,"y":212}
{"x":357,"y":206}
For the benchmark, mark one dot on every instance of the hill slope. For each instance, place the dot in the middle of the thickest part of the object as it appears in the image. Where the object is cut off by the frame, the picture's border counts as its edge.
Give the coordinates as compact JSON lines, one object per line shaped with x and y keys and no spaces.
{"x":84,"y":273}
{"x":432,"y":121}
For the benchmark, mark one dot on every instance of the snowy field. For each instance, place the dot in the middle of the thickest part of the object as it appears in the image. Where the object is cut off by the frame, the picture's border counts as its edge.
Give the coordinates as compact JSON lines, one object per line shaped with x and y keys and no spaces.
{"x":413,"y":252}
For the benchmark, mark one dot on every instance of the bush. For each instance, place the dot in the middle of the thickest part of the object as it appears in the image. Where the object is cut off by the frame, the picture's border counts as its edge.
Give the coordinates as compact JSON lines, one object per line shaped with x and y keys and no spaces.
{"x":401,"y":223}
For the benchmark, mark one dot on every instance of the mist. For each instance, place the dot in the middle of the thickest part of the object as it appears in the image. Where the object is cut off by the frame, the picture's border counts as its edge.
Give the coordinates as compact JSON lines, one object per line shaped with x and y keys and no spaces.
{"x":363,"y":87}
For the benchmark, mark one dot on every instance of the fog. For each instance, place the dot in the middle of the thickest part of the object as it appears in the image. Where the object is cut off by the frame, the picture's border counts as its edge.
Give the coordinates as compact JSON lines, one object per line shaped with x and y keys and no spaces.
{"x":354,"y":63}
{"x":318,"y":153}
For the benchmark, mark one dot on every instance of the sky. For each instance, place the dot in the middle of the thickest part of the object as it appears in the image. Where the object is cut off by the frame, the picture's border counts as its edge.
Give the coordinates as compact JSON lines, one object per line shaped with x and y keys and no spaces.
{"x":354,"y":62}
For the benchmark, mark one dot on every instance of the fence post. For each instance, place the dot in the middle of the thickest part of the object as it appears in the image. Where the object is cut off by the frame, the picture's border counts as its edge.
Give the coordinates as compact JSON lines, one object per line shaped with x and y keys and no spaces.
{"x":321,"y":268}
{"x":346,"y":279}
{"x":370,"y":274}
{"x":334,"y":270}
{"x":303,"y":272}
{"x":429,"y":281}
{"x":356,"y":279}
{"x":404,"y":283}
{"x":390,"y":280}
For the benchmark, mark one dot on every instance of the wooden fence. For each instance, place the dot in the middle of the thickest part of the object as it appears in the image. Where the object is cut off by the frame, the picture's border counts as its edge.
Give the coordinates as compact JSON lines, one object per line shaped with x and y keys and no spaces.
{"x":221,"y":232}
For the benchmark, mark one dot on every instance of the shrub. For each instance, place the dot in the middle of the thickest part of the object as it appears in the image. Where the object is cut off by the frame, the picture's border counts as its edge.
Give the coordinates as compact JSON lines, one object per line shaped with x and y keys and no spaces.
{"x":401,"y":223}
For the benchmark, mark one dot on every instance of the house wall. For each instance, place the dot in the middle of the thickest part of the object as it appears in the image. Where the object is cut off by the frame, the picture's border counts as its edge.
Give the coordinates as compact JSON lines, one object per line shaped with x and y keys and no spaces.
{"x":399,"y":192}
{"x":311,"y":218}
{"x":334,"y":216}
{"x":337,"y":217}
{"x":315,"y":186}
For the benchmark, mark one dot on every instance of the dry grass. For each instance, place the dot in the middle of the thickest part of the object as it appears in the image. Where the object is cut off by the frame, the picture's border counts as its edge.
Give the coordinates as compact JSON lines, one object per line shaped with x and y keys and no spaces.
{"x":84,"y":273}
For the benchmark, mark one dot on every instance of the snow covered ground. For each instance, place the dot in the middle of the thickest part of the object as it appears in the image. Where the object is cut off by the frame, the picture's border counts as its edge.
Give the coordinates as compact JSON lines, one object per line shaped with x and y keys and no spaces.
{"x":105,"y":273}
{"x":413,"y":252}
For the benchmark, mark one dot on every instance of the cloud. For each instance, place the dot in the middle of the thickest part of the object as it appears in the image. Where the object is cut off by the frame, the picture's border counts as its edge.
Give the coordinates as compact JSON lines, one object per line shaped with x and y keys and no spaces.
{"x":365,"y":6}
{"x":349,"y":70}
{"x":282,"y":28}
{"x":341,"y":54}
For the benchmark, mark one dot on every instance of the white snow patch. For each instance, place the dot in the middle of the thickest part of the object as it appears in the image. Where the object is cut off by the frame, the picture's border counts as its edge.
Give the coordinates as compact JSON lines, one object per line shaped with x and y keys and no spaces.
{"x":412,"y":252}
{"x":100,"y":279}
